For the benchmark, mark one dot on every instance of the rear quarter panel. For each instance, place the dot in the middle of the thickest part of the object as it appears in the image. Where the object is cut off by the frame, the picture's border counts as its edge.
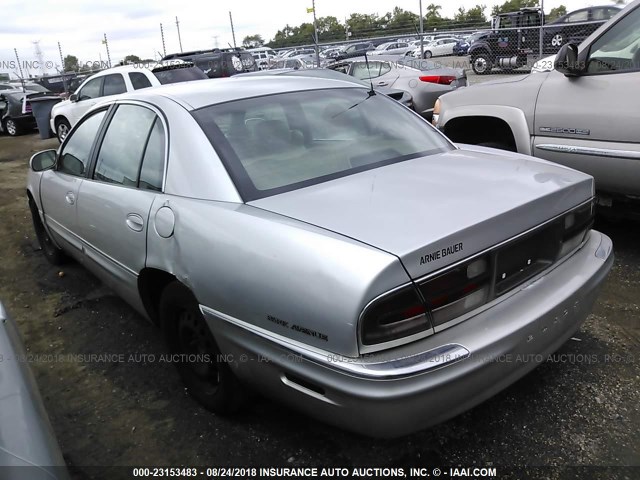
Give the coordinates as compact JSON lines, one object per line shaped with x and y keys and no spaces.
{"x":263,"y":268}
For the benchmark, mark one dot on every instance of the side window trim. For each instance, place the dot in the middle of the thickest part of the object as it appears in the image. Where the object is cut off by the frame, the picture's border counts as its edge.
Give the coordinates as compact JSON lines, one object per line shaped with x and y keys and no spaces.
{"x":144,"y":150}
{"x":93,"y":150}
{"x":103,"y":130}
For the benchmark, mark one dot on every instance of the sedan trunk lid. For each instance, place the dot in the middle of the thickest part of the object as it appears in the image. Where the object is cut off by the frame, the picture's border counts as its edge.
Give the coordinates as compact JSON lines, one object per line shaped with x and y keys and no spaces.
{"x":433,"y":211}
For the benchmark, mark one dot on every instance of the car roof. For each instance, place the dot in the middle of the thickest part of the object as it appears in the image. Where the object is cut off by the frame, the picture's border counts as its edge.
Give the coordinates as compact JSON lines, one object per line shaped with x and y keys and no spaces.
{"x":201,"y":93}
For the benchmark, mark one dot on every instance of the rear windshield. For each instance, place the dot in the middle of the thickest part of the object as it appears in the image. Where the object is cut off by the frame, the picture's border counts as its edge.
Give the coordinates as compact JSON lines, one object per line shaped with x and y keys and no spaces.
{"x":181,"y":74}
{"x":283,"y":142}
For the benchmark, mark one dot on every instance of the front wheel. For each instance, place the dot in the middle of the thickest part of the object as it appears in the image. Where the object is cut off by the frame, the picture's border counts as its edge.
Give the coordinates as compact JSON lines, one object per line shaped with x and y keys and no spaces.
{"x":481,"y":64}
{"x":427,"y":54}
{"x":52,"y":253}
{"x":202,"y":367}
{"x":62,"y":129}
{"x":557,"y":41}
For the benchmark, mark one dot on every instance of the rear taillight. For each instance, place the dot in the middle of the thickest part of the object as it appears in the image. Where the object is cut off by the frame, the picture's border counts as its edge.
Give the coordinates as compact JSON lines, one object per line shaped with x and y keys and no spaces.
{"x":397,"y":315}
{"x":458,"y":291}
{"x":439,"y":79}
{"x":438,"y":300}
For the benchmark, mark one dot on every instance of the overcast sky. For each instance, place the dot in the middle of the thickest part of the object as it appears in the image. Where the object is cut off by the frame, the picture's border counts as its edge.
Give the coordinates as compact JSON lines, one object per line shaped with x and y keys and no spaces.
{"x":133,"y":27}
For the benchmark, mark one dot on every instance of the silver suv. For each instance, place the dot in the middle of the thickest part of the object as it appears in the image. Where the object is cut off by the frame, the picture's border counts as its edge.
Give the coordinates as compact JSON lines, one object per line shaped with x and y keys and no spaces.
{"x":583,"y":114}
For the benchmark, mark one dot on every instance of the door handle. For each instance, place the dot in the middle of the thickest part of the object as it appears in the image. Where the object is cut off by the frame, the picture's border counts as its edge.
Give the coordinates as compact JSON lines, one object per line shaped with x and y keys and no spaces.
{"x":382,"y":84}
{"x":135,"y":222}
{"x":70,"y":198}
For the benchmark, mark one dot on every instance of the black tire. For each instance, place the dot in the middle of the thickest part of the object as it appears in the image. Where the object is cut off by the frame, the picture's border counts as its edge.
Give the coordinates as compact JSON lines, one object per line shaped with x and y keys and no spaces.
{"x":498,"y":145}
{"x":211,"y":382}
{"x":11,"y":127}
{"x":481,"y":63}
{"x":62,"y":129}
{"x":427,"y":54}
{"x":52,"y":253}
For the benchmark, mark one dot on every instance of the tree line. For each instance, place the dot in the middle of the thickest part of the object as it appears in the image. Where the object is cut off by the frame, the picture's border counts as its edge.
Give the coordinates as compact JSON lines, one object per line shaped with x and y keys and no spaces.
{"x":397,"y":22}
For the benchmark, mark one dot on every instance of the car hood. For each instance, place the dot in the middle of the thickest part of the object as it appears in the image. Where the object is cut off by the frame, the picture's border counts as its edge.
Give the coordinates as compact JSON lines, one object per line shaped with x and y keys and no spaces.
{"x":61,"y":104}
{"x":460,"y":202}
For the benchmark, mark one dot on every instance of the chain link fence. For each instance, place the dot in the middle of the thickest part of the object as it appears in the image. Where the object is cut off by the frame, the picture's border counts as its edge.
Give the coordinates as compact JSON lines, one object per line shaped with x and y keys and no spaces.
{"x":512,"y":41}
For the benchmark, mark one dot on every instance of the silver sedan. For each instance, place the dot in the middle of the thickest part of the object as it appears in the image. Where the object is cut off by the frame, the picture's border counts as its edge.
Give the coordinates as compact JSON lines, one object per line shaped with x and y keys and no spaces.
{"x":323,"y":244}
{"x":424,"y":80}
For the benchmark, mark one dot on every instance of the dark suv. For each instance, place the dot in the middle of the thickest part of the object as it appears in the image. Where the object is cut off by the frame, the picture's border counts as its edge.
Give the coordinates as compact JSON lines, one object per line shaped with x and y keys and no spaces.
{"x":217,"y":63}
{"x":353,"y":50}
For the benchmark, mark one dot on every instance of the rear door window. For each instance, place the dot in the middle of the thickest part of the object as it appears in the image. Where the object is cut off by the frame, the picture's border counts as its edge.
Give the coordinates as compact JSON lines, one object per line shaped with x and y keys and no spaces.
{"x":139,"y":80}
{"x":114,"y":85}
{"x":120,"y":154}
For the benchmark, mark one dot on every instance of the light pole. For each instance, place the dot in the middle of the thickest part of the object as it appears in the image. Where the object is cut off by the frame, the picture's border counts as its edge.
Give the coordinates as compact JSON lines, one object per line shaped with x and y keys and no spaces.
{"x":541,"y":27}
{"x":315,"y":29}
{"x":179,"y":38}
{"x":421,"y":32}
{"x":106,"y":46}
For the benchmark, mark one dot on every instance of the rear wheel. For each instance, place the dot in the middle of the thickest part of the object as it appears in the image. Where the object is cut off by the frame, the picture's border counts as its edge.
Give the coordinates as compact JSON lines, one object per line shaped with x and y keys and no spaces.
{"x":52,"y":253}
{"x":481,"y":63}
{"x":62,"y":129}
{"x":204,"y":372}
{"x":11,"y":127}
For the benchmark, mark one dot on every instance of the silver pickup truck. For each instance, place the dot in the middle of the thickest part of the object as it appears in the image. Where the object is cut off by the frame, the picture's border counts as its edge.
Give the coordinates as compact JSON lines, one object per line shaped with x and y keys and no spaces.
{"x":584,"y":114}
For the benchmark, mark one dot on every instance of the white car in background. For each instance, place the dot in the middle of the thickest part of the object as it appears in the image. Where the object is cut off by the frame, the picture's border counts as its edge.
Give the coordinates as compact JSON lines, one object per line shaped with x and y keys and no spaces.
{"x":115,"y":81}
{"x":437,"y":48}
{"x":391,"y":48}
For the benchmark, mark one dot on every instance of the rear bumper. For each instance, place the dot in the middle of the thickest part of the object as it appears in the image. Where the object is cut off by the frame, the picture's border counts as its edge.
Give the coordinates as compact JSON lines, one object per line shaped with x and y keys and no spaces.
{"x":504,"y":343}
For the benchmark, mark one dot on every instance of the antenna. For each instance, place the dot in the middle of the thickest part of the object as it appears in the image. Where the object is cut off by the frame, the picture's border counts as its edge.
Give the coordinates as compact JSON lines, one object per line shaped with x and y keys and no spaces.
{"x":372,"y":92}
{"x":233,"y":32}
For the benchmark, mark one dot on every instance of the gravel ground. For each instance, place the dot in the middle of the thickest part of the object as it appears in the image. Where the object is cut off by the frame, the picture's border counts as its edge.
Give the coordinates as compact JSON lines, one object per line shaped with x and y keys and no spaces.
{"x":581,"y":410}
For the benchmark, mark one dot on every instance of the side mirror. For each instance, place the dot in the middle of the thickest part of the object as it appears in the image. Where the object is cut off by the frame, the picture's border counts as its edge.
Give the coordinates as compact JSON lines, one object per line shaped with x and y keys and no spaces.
{"x":73,"y":97}
{"x":42,"y":161}
{"x":566,"y":61}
